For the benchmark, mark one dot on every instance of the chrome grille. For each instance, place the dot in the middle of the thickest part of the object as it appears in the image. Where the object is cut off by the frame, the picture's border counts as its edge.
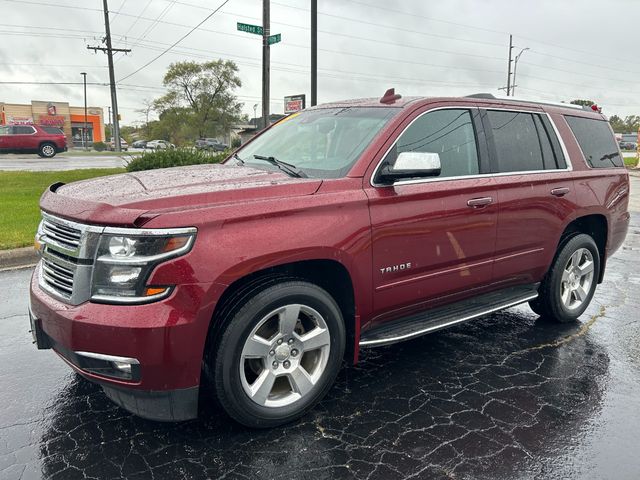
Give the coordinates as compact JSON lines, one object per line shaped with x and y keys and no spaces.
{"x":58,"y":275}
{"x":68,"y":249}
{"x":64,"y":235}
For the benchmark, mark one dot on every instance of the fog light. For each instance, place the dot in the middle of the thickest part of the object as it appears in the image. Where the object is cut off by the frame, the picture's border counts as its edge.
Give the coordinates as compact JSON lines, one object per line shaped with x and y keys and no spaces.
{"x":126,"y":275}
{"x":124,"y":367}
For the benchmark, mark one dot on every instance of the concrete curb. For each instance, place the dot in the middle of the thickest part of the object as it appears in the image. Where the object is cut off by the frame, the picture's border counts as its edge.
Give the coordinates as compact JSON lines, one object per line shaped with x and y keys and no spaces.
{"x":18,"y":258}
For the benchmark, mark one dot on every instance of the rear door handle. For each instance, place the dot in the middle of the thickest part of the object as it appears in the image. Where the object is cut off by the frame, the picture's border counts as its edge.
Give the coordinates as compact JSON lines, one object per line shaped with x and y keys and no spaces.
{"x":560,"y":192}
{"x":479,"y":202}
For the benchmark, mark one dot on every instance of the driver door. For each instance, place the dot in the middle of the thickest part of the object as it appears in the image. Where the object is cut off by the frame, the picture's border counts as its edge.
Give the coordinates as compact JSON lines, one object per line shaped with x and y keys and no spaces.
{"x":434,"y":237}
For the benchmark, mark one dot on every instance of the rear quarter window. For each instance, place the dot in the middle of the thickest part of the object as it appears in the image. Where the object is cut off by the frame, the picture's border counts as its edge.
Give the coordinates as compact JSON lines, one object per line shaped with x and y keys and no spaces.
{"x":53,"y":130}
{"x":596,"y":141}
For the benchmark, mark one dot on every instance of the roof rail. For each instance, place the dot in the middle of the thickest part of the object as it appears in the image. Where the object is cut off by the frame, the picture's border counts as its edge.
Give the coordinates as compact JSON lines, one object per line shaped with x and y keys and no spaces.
{"x":491,"y":96}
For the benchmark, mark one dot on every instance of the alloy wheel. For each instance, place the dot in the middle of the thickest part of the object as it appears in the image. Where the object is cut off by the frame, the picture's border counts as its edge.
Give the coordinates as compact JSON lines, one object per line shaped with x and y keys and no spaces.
{"x":577,"y":279}
{"x":285,"y":355}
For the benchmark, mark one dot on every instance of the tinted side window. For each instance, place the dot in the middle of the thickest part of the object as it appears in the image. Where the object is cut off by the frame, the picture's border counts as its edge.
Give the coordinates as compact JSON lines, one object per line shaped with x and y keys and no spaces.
{"x":518,"y":148}
{"x":596,"y":141}
{"x":557,"y":149}
{"x":450,"y":134}
{"x":23,"y":130}
{"x":52,"y":130}
{"x":5,"y":130}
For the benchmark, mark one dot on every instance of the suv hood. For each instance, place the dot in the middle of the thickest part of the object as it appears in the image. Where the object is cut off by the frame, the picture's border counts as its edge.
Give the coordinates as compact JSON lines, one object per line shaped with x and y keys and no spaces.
{"x":121,"y":199}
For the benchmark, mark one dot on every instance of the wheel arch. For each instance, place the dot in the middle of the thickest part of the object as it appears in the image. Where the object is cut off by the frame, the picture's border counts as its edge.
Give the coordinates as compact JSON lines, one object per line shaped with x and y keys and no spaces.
{"x":329,"y":274}
{"x":597,"y":227}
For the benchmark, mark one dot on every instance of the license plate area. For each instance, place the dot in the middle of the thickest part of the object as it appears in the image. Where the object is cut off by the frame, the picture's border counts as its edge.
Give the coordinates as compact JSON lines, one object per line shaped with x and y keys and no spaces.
{"x":40,"y":338}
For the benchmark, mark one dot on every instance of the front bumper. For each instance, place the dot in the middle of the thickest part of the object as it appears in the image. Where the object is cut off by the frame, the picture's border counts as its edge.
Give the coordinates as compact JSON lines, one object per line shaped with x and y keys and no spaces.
{"x":166,"y":338}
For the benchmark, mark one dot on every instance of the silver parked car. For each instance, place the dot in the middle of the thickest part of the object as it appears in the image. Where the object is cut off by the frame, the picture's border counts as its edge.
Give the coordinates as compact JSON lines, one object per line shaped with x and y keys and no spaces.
{"x":160,"y":145}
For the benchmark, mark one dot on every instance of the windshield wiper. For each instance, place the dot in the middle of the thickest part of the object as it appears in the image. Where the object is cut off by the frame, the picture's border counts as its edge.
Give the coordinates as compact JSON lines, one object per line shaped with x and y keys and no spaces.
{"x":287,"y":168}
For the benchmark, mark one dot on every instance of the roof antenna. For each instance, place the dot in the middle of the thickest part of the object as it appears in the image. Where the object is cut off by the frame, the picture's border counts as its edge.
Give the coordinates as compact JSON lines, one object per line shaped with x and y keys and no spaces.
{"x":390,"y":96}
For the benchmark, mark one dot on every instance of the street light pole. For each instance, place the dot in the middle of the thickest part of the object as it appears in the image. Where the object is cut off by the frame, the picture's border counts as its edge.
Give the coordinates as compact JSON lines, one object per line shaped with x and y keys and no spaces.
{"x":509,"y":65}
{"x":515,"y":68}
{"x":266,"y":31}
{"x":84,"y":131}
{"x":314,"y":52}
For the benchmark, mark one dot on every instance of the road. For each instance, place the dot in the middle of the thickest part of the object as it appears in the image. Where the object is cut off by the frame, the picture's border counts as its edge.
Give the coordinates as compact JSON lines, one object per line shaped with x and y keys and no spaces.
{"x":509,"y":396}
{"x":60,"y":162}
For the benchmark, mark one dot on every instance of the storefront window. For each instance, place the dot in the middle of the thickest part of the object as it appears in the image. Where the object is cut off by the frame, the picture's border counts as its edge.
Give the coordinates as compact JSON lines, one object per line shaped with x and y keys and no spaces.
{"x":76,"y":135}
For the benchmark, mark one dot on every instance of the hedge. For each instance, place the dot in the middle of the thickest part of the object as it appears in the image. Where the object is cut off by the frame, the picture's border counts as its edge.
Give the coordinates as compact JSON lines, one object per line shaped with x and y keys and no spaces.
{"x":151,"y":160}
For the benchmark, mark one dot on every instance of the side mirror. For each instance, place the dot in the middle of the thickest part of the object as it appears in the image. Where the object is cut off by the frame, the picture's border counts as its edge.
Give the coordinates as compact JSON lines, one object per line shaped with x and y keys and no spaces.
{"x":411,"y":165}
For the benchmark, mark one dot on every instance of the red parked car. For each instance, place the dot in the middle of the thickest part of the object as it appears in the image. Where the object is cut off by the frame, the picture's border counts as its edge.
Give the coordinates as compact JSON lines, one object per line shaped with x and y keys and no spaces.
{"x":45,"y":141}
{"x":344,"y":226}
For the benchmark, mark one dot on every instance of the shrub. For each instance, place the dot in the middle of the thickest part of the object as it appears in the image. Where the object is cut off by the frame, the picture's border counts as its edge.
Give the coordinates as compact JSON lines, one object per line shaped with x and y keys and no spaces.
{"x":151,"y":160}
{"x":99,"y":146}
{"x":236,"y":142}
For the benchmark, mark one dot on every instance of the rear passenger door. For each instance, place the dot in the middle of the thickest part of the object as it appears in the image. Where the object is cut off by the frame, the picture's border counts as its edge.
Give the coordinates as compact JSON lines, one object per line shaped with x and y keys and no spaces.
{"x":25,"y":137}
{"x":535,"y":192}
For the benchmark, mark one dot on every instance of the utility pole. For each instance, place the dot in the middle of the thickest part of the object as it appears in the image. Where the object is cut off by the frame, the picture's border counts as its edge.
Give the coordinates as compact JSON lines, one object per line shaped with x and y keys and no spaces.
{"x":314,"y":52}
{"x":266,"y":30}
{"x":109,"y":117}
{"x":112,"y":77}
{"x":84,"y":136}
{"x":509,"y":69}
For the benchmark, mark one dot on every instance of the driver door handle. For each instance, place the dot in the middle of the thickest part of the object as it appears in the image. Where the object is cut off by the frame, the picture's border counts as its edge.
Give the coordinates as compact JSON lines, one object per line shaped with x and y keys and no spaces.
{"x":479,"y":202}
{"x":560,"y":192}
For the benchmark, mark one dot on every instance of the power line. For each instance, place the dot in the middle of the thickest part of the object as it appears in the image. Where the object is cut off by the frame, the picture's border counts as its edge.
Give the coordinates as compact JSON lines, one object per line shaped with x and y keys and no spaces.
{"x":155,"y":22}
{"x":497,"y":32}
{"x":57,"y":5}
{"x":119,"y":10}
{"x":67,"y":65}
{"x":177,"y":42}
{"x":137,"y":19}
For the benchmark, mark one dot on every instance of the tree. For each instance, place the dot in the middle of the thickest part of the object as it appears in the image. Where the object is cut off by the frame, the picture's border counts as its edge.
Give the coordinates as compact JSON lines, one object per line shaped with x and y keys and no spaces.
{"x":584,"y":103}
{"x":147,"y":107}
{"x":200,"y":100}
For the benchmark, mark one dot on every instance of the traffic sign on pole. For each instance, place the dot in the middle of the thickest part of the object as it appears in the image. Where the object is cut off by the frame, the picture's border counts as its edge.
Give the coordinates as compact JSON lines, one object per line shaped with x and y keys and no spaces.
{"x":255,"y":29}
{"x":274,"y":38}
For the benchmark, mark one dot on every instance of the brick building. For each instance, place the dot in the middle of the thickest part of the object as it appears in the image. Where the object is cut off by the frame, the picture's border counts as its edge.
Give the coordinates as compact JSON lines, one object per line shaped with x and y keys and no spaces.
{"x":56,"y":114}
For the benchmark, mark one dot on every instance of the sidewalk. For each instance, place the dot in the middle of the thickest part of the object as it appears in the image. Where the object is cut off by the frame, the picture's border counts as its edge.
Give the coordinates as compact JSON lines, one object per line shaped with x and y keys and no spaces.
{"x":18,"y":258}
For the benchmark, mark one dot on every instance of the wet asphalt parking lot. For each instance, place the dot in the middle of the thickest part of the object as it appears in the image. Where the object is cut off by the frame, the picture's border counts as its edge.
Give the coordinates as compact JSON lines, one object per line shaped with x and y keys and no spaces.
{"x":510,"y":396}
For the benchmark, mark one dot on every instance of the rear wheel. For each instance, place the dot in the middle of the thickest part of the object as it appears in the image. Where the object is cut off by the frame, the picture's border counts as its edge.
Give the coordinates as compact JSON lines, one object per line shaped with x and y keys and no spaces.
{"x":47,"y":150}
{"x":569,"y":285}
{"x":279,"y":354}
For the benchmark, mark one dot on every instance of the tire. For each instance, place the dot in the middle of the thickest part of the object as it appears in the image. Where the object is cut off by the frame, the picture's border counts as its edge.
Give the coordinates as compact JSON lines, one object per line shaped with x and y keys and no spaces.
{"x":568,"y":287}
{"x":47,"y":150}
{"x":274,"y":378}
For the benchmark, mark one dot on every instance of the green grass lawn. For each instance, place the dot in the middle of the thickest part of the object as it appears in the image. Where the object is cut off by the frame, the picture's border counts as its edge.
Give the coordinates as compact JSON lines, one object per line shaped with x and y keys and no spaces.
{"x":631,"y":161}
{"x":19,"y":197}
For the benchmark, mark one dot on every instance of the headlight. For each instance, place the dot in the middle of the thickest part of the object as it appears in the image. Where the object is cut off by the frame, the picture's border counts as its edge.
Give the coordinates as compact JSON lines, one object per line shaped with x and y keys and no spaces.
{"x":125,"y":261}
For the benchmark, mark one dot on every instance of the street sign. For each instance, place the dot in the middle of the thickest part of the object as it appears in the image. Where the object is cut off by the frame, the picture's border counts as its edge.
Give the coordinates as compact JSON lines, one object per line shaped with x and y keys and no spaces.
{"x":274,"y":38}
{"x":294,"y":103}
{"x":255,"y":29}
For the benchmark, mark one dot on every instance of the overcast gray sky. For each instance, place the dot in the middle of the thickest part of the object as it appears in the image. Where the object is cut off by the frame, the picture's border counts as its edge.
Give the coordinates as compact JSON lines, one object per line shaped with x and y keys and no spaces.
{"x":578,"y":48}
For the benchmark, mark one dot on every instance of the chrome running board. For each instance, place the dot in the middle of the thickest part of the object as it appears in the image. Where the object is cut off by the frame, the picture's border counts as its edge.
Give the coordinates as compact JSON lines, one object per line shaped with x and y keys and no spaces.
{"x":447,"y":316}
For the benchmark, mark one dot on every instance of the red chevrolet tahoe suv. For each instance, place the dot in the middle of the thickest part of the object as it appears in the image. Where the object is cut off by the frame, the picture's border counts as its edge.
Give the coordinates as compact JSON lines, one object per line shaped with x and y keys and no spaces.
{"x":45,"y":141}
{"x":344,"y":226}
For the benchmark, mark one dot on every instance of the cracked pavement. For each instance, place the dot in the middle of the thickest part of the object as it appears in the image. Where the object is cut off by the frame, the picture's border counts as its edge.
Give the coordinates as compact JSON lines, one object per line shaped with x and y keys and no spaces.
{"x":508,"y":396}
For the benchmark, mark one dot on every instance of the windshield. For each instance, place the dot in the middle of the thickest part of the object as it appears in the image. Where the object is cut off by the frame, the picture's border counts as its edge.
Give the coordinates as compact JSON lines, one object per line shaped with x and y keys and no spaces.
{"x":322,"y":143}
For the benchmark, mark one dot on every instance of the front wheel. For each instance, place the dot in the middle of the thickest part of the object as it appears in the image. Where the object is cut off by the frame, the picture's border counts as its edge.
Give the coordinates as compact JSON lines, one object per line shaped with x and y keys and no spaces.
{"x":567,"y":289}
{"x":47,"y":150}
{"x":279,"y":354}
